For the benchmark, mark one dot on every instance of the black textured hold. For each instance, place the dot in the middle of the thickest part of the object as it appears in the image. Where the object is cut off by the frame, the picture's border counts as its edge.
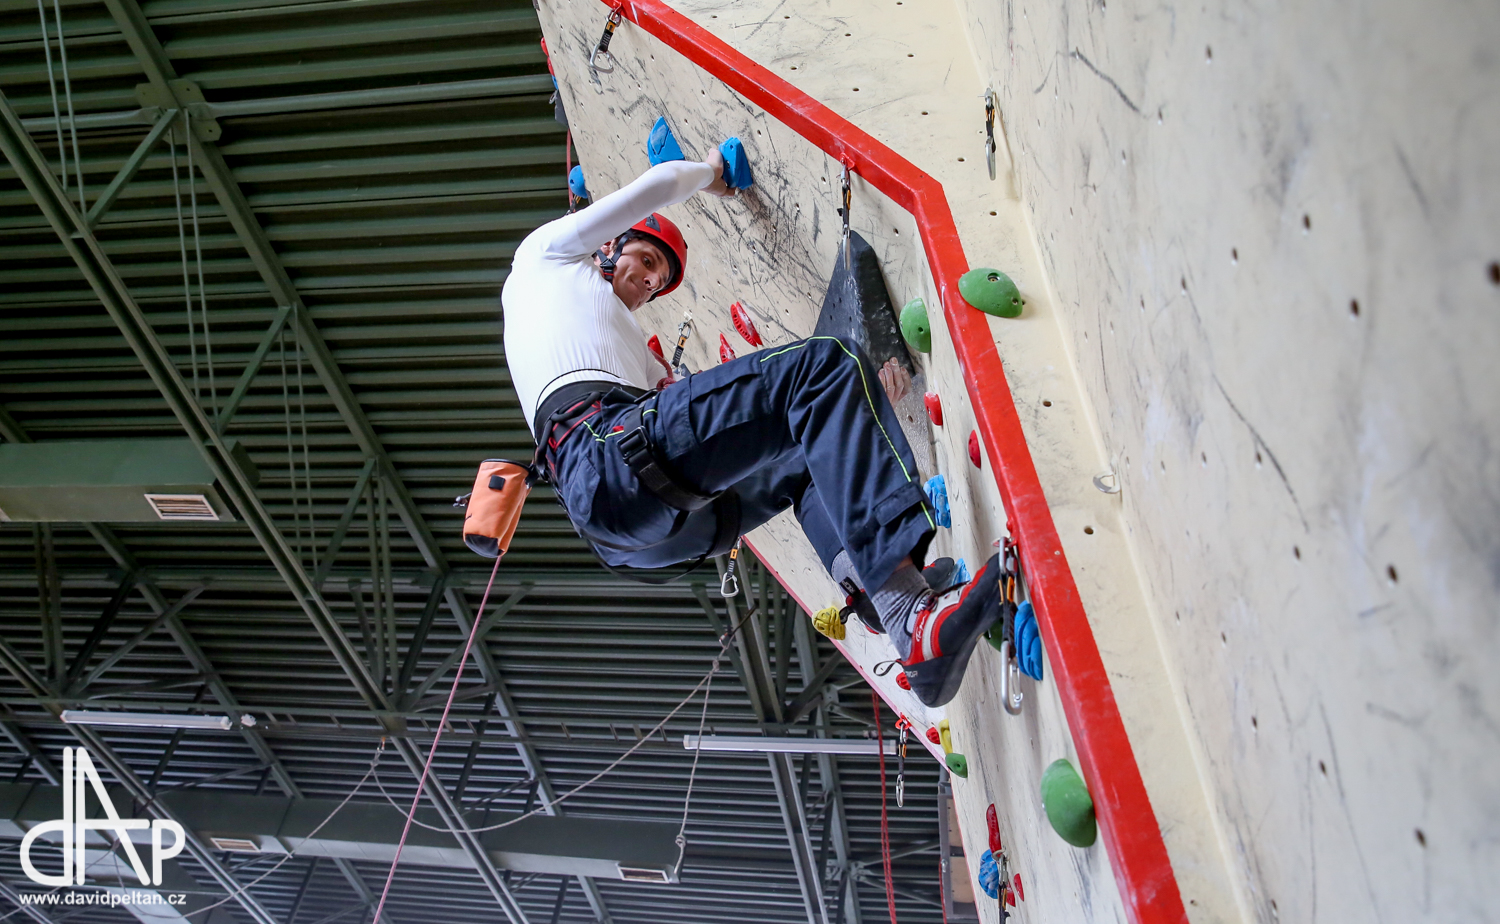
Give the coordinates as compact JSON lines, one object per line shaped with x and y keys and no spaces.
{"x":858,"y":306}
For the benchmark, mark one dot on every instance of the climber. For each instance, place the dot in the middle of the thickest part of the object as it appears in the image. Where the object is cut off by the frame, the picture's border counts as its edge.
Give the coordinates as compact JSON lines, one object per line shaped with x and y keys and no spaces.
{"x":655,"y":472}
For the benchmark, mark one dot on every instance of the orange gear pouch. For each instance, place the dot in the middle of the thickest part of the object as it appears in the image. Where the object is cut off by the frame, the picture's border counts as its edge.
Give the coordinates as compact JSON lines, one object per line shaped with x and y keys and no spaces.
{"x":494,"y":509}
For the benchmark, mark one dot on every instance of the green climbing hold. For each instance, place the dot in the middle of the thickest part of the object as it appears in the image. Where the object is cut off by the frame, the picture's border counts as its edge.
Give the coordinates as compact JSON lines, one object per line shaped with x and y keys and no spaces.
{"x":991,"y":291}
{"x":958,"y":765}
{"x":994,"y":636}
{"x":914,"y":326}
{"x":1069,"y":806}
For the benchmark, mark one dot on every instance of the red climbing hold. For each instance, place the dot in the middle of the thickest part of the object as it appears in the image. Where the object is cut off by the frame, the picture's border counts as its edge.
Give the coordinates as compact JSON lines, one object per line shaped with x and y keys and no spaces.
{"x":933,"y":736}
{"x":725,"y":353}
{"x":934,"y":408}
{"x":744,"y":324}
{"x":902,"y":682}
{"x":1010,"y":898}
{"x":974,"y":449}
{"x":992,"y":821}
{"x":1020,"y":892}
{"x":655,"y":344}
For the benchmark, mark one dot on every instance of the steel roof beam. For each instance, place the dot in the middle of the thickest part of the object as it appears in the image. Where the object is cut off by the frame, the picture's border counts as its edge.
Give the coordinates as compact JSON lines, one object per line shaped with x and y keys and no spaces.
{"x":836,"y":817}
{"x":86,"y":251}
{"x":751,"y":663}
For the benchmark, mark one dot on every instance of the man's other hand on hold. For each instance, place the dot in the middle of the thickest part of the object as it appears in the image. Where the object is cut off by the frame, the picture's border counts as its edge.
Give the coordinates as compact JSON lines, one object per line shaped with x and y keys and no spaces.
{"x":718,"y":187}
{"x":895,"y":379}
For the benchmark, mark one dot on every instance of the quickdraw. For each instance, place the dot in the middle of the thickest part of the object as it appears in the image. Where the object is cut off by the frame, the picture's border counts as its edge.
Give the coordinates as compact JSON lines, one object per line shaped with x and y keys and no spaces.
{"x":683,"y":331}
{"x":729,"y":584}
{"x":603,"y":47}
{"x":1003,"y":635}
{"x":989,"y":129}
{"x":845,"y":213}
{"x":903,"y":725}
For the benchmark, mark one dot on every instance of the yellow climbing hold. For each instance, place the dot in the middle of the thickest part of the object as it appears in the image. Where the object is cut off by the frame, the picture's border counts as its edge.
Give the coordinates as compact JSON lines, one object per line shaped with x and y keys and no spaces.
{"x":945,"y":735}
{"x":827,"y":622}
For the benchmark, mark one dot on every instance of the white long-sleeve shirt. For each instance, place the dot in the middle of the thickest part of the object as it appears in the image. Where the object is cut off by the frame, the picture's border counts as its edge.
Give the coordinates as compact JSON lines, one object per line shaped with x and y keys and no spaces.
{"x":563,"y":322}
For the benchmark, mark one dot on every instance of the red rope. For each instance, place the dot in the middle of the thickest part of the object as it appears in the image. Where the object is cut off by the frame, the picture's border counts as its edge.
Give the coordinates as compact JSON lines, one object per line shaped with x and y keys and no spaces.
{"x":432,"y":751}
{"x":568,"y":173}
{"x":885,"y":827}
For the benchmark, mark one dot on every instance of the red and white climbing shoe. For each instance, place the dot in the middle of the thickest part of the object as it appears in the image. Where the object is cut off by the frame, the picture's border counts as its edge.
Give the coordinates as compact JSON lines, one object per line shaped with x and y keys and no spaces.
{"x":948,"y":626}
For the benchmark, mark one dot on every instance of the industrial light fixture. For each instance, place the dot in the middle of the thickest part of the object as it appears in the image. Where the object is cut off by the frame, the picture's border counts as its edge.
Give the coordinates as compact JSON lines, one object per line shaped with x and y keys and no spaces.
{"x":152,"y":719}
{"x":785,"y":745}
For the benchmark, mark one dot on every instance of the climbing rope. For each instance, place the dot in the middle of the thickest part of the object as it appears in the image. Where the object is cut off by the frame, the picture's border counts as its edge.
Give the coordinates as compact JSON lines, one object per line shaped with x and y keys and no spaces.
{"x":62,"y":52}
{"x":432,"y":751}
{"x":208,"y":345}
{"x":187,"y":289}
{"x":310,"y":835}
{"x":885,"y":826}
{"x":286,"y":417}
{"x":687,"y":800}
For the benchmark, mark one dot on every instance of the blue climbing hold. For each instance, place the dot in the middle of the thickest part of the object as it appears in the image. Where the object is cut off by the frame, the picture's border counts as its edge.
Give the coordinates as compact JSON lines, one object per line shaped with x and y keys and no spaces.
{"x":961,"y":574}
{"x":937,"y":495}
{"x":1028,"y":641}
{"x":989,"y":874}
{"x":661,"y":145}
{"x":575,"y":182}
{"x":736,"y":164}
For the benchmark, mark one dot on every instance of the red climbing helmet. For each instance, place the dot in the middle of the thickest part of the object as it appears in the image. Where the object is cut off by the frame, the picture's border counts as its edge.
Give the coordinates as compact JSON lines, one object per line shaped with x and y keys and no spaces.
{"x":665,"y":234}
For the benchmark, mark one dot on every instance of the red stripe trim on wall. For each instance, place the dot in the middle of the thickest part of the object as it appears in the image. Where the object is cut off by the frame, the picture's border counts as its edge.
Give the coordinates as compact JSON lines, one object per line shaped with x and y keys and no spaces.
{"x":1143,"y":871}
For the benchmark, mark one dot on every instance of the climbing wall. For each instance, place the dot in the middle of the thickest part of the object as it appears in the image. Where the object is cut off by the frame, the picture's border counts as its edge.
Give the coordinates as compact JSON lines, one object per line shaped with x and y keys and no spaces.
{"x":1264,"y":459}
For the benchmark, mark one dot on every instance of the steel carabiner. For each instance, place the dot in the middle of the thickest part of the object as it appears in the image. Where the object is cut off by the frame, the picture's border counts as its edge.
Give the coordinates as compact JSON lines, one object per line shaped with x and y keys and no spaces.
{"x":603,"y":47}
{"x":1010,"y":679}
{"x":729,"y":584}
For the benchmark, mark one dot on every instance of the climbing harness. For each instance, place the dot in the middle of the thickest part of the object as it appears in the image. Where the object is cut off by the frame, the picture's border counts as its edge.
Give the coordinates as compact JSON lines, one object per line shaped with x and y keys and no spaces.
{"x":885,"y":826}
{"x":903,"y":725}
{"x":844,"y":212}
{"x":989,"y":129}
{"x":729,"y":584}
{"x":603,"y":47}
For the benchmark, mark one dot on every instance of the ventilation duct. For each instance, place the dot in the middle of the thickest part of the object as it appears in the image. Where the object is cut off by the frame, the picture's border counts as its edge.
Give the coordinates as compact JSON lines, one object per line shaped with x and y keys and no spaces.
{"x":113,"y":481}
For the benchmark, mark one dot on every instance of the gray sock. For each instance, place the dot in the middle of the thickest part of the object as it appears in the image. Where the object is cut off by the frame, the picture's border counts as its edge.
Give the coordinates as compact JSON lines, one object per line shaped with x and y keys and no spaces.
{"x":896,"y":601}
{"x":842,"y":568}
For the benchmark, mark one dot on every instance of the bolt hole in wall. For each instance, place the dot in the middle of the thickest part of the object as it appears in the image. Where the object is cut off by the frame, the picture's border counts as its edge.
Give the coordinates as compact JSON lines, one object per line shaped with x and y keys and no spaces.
{"x":1421,"y":838}
{"x":1354,"y":307}
{"x":1234,"y":256}
{"x":1088,"y":530}
{"x":1390,"y":572}
{"x":1306,"y":222}
{"x":1495,"y":274}
{"x":1322,"y":768}
{"x":1208,"y":54}
{"x":1046,"y":404}
{"x":1297,"y":552}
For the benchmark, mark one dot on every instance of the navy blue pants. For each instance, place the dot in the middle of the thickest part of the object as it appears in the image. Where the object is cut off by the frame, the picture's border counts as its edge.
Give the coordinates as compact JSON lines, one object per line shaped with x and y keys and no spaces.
{"x":805,"y":425}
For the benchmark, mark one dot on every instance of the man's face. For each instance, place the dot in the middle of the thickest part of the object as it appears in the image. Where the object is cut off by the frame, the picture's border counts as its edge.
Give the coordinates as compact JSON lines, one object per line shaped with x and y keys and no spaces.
{"x":640,"y":270}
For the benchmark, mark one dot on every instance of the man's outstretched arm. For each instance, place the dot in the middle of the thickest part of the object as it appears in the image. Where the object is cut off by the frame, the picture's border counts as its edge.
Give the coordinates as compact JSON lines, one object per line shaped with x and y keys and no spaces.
{"x":661,"y":186}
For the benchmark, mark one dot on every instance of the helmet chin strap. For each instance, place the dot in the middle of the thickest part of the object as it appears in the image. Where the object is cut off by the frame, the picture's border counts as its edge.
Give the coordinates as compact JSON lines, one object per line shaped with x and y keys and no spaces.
{"x":607,"y":260}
